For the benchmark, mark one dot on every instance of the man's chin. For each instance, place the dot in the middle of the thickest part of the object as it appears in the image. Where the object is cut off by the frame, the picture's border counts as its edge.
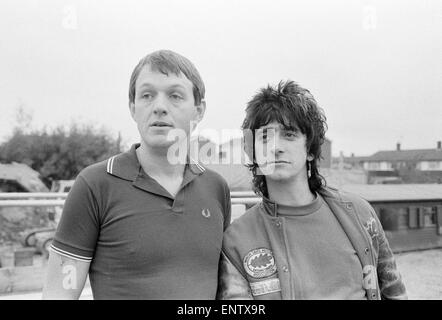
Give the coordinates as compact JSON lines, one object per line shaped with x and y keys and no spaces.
{"x":274,"y":171}
{"x":278,"y":176}
{"x":160,"y":142}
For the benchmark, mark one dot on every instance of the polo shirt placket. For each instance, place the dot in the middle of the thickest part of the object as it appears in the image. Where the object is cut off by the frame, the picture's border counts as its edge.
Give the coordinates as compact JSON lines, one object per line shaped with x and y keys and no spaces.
{"x":129,"y":168}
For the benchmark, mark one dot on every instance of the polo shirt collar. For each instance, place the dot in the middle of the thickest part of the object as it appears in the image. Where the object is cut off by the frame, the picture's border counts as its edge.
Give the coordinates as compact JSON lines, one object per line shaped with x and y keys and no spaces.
{"x":126,"y":166}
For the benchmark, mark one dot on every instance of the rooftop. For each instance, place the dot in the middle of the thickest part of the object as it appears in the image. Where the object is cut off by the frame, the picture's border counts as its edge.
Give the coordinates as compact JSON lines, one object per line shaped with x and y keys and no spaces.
{"x":401,"y":192}
{"x":407,"y":155}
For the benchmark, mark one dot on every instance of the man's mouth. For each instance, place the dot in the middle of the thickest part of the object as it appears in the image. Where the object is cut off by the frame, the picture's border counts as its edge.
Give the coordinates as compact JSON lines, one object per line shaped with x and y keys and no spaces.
{"x":161,"y":124}
{"x":277,"y":162}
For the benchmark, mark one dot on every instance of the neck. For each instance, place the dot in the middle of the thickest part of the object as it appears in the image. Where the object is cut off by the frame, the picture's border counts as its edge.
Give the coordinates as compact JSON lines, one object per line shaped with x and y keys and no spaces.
{"x":291,"y":193}
{"x":154,"y":162}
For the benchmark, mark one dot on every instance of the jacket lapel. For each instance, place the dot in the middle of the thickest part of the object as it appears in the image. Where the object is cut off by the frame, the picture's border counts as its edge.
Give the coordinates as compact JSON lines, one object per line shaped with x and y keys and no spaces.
{"x":346,"y":214}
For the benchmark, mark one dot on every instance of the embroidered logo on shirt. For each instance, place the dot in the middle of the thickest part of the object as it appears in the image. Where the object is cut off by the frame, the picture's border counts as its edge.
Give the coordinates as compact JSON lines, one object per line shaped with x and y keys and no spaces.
{"x":205,"y":213}
{"x":259,"y":263}
{"x":265,"y":286}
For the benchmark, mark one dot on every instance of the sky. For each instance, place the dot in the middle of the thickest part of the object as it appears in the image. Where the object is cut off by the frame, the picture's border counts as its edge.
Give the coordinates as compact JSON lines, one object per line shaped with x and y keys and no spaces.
{"x":375,"y":67}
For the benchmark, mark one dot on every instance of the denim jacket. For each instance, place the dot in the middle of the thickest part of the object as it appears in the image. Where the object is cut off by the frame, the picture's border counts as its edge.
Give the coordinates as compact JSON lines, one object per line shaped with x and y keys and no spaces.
{"x":257,"y":232}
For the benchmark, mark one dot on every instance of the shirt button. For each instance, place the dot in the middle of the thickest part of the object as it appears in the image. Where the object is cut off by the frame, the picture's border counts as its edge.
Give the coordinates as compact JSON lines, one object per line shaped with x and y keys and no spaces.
{"x":285,"y":269}
{"x":349,"y":206}
{"x":278,"y":224}
{"x":373,"y":295}
{"x":367,"y":250}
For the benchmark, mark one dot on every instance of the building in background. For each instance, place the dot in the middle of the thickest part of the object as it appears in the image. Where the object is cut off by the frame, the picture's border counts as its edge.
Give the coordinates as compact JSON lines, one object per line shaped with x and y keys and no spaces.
{"x":401,"y":166}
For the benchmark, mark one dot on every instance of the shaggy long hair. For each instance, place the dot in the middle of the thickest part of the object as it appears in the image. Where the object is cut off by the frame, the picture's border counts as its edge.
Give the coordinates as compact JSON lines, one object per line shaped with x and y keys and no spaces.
{"x":295,"y":108}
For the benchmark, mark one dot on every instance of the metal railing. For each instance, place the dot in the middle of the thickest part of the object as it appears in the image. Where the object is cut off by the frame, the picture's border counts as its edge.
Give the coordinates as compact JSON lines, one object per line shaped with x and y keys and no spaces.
{"x":30,"y":195}
{"x":27,"y":199}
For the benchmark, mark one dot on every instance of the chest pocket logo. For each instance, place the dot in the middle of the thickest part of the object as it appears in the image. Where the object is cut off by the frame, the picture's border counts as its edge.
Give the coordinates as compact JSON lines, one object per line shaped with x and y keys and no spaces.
{"x":206,"y":213}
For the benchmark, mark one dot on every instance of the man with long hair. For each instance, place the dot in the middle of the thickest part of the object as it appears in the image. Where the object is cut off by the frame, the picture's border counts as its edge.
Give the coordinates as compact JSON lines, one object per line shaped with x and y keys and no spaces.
{"x":304,"y":240}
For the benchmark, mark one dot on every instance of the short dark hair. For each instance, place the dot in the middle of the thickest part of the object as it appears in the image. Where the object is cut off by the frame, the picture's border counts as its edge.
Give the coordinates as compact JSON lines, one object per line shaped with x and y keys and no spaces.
{"x":166,"y":61}
{"x":295,"y":108}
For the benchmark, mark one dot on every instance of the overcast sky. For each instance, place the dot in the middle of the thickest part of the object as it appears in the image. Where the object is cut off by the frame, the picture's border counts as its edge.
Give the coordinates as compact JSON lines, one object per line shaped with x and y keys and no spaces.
{"x":375,"y":67}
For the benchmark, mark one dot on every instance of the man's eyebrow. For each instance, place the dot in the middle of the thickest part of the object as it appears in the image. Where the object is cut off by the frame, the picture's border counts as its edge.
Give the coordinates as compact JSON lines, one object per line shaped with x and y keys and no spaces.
{"x":146,"y":85}
{"x":294,"y":129}
{"x":173,"y":86}
{"x":268,"y":126}
{"x":280,"y":127}
{"x":176,"y":86}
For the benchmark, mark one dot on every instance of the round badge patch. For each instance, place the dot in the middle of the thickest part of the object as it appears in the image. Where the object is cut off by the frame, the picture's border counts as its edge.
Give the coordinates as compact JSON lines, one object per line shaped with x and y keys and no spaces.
{"x":259,"y":263}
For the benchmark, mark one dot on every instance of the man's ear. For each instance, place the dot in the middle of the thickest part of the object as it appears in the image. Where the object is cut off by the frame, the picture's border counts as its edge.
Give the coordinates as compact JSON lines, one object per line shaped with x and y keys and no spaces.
{"x":200,"y":110}
{"x":132,"y":109}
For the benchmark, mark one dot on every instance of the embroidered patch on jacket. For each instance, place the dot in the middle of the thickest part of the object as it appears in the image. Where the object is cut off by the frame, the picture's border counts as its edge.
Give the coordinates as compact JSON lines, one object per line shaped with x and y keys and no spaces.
{"x":370,"y":226}
{"x":265,"y":286}
{"x":259,"y":263}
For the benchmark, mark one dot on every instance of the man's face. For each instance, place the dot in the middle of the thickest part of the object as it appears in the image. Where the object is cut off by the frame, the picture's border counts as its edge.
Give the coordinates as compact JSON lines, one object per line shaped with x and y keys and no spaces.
{"x":164,"y":103}
{"x":281,"y":154}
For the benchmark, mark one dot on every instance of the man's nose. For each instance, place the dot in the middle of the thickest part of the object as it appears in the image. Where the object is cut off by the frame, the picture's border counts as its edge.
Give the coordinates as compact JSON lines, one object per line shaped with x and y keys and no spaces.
{"x":277,"y":146}
{"x":161,"y":105}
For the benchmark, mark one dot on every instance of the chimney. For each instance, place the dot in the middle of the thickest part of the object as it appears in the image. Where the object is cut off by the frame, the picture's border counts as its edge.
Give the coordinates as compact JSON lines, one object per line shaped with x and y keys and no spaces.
{"x":439,"y":145}
{"x":398,"y":146}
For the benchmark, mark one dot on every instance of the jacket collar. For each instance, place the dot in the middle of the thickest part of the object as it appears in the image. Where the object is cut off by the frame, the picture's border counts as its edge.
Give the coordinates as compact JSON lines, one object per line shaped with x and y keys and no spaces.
{"x":274,"y":209}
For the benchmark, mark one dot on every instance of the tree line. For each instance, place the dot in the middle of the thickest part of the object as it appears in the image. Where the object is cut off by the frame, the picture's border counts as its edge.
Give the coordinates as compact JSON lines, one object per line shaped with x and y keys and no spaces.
{"x":60,"y":153}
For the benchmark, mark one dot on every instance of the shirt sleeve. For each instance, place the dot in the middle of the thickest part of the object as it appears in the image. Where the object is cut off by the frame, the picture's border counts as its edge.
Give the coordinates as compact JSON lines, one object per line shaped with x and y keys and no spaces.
{"x":78,"y":229}
{"x":231,"y":284}
{"x":390,"y":280}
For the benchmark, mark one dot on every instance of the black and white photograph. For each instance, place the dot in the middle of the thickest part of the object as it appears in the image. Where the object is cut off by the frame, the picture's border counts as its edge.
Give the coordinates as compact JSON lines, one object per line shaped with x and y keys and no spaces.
{"x":220,"y":151}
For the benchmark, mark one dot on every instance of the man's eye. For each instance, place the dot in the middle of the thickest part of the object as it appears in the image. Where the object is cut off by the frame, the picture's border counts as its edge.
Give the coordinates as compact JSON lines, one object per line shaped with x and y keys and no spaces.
{"x":146,"y":96}
{"x":176,"y":96}
{"x":290,"y":134}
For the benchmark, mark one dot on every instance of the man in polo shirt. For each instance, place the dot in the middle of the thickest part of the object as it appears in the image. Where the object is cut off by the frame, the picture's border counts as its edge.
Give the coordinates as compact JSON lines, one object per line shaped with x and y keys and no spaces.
{"x":142,"y":224}
{"x":303,"y":240}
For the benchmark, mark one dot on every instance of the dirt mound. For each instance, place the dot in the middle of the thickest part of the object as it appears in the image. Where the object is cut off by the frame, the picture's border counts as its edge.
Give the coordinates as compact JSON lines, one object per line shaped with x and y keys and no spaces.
{"x":14,"y":221}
